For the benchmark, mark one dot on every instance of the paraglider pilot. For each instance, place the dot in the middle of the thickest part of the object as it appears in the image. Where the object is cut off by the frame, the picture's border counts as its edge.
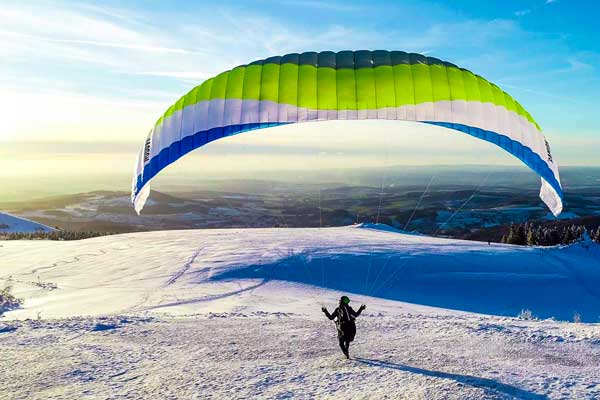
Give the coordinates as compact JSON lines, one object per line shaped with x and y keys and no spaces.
{"x":344,"y":317}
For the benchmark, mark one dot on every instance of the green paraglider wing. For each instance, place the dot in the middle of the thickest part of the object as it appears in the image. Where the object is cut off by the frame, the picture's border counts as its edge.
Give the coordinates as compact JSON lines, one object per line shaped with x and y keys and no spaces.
{"x":347,"y":85}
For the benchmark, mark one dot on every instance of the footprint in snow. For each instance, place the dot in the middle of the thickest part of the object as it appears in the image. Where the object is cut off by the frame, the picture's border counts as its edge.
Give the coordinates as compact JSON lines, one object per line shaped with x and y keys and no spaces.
{"x":104,"y":327}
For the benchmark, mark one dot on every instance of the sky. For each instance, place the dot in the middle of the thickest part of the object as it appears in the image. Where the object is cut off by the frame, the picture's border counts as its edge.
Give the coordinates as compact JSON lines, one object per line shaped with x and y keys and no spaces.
{"x":81,"y":83}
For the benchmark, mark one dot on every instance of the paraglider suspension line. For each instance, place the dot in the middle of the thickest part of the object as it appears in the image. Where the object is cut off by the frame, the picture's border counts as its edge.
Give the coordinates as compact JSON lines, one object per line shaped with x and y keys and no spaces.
{"x":419,"y":202}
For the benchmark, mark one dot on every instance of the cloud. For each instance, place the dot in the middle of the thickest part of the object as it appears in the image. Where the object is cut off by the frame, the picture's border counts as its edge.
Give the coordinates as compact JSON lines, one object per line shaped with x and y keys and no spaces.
{"x":476,"y":33}
{"x":323,"y":5}
{"x":120,"y":41}
{"x":110,"y":53}
{"x":554,"y":96}
{"x":521,"y":13}
{"x":574,"y":66}
{"x":577,"y":65}
{"x":186,"y":75}
{"x":52,"y":35}
{"x":128,"y":46}
{"x":65,"y":23}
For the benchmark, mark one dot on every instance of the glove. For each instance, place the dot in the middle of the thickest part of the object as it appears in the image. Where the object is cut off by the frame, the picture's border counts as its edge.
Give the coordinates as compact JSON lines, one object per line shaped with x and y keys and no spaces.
{"x":323,"y":309}
{"x":363,"y":307}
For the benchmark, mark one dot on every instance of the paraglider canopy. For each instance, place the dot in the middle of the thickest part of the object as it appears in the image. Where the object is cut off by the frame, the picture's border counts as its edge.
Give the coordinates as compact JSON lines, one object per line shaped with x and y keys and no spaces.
{"x":346,"y":85}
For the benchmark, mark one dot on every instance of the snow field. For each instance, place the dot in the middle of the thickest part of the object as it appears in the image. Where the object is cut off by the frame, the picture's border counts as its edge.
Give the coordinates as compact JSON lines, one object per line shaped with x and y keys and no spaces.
{"x":239,"y":356}
{"x":236,"y":314}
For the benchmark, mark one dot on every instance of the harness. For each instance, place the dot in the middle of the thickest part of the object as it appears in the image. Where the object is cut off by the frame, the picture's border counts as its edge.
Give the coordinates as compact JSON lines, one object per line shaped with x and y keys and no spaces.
{"x":344,"y":315}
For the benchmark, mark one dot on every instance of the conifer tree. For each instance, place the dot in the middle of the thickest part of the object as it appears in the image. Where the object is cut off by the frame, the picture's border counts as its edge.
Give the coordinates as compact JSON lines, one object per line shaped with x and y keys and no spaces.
{"x":512,"y":238}
{"x":567,"y":236}
{"x":531,"y":236}
{"x":522,"y":235}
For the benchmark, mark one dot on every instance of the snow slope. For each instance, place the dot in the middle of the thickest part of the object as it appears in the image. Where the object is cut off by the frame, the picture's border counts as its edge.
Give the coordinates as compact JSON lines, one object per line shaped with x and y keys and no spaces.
{"x":407,"y":354}
{"x":295,"y":270}
{"x":236,"y":314}
{"x":10,"y":224}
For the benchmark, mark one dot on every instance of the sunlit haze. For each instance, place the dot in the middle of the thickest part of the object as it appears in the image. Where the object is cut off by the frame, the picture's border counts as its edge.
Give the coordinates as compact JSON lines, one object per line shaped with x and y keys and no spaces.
{"x":82,"y":83}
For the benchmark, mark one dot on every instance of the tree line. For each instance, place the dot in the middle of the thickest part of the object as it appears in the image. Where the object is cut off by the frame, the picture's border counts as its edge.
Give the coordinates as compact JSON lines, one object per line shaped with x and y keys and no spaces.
{"x":53,"y":235}
{"x":530,"y":234}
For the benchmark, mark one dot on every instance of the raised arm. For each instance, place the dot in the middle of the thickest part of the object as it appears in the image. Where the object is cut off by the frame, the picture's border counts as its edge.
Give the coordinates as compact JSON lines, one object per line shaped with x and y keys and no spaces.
{"x":357,"y":313}
{"x":330,"y":316}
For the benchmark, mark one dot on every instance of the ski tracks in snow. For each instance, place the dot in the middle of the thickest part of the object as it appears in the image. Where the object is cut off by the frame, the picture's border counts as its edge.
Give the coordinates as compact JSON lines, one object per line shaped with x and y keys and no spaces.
{"x":207,"y":298}
{"x":184,"y":268}
{"x":75,"y":259}
{"x":241,"y":356}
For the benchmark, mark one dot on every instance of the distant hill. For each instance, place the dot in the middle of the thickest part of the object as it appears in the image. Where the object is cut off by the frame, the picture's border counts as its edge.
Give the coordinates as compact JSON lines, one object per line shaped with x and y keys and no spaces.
{"x":463,"y":203}
{"x":12,"y":224}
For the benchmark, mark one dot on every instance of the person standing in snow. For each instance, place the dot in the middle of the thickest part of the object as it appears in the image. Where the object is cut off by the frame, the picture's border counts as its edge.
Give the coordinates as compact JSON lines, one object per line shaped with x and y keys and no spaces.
{"x":344,"y":317}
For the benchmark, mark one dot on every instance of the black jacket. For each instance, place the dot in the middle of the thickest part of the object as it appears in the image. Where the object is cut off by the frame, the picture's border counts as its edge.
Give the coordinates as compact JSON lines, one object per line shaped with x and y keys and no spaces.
{"x":344,"y":317}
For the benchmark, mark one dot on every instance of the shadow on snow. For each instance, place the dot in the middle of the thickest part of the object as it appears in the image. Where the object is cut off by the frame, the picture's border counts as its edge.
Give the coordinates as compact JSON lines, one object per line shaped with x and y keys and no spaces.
{"x":497,"y":283}
{"x":474,"y":381}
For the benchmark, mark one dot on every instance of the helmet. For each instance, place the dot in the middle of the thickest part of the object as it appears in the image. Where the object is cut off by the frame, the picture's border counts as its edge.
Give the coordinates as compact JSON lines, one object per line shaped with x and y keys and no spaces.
{"x":345,"y":300}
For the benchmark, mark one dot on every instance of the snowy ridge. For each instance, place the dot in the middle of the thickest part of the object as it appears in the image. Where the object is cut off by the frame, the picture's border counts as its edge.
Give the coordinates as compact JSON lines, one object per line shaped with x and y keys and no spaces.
{"x":384,"y":228}
{"x":12,"y":224}
{"x":296,"y":270}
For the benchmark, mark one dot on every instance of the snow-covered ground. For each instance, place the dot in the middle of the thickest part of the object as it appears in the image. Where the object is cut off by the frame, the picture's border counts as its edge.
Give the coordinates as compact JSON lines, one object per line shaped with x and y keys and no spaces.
{"x":11,"y":224}
{"x":236,"y":314}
